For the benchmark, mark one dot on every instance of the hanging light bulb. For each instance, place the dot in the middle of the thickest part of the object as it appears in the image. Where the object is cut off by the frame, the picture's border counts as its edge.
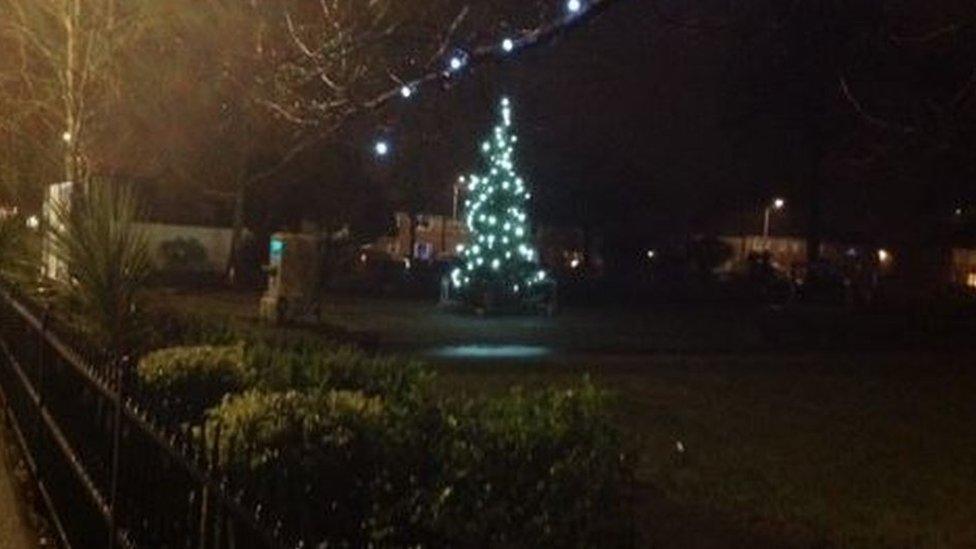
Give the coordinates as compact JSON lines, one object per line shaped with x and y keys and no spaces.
{"x":508,"y":45}
{"x":457,"y":61}
{"x":406,"y":92}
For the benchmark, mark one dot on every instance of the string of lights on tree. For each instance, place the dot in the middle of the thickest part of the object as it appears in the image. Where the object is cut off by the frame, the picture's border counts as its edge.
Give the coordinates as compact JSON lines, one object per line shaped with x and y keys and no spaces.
{"x":461,"y":60}
{"x":499,"y":256}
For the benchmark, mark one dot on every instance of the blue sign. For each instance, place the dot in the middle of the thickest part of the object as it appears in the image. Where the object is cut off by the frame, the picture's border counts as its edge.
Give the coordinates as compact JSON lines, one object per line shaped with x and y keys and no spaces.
{"x":277,"y":249}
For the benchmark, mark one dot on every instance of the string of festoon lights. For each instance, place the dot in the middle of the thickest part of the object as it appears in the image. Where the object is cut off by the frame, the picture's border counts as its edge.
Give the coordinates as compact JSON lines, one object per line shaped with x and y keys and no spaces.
{"x":459,"y":60}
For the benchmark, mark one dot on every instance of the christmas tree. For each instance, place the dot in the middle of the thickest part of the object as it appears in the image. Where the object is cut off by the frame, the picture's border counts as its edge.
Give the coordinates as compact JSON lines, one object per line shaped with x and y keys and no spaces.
{"x":498,"y":263}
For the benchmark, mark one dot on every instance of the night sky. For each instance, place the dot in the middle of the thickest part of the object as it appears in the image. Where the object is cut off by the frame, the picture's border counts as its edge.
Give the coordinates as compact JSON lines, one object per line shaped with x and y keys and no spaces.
{"x":659,"y":128}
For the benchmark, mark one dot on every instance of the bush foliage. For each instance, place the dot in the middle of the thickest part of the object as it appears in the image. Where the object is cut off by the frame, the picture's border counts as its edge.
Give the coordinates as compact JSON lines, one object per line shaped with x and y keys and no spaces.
{"x":344,"y":368}
{"x":186,"y":381}
{"x":537,"y":469}
{"x":517,"y":471}
{"x":182,"y":255}
{"x":358,"y":450}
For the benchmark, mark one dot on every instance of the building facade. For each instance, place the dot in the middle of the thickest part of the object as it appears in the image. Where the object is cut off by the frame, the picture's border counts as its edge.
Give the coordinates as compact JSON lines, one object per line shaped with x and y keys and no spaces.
{"x":437,"y":237}
{"x":963,"y":267}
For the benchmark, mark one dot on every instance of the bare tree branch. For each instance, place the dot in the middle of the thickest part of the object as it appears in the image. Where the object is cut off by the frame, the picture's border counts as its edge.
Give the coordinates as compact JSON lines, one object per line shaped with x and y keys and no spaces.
{"x":449,"y":36}
{"x":871,"y":119}
{"x":965,"y":92}
{"x":931,"y":36}
{"x":338,"y":112}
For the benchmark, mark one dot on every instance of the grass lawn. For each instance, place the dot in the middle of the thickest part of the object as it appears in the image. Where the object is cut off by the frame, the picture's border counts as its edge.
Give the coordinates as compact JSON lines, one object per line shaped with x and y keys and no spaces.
{"x":860,"y":451}
{"x":863,"y":449}
{"x":411,"y":325}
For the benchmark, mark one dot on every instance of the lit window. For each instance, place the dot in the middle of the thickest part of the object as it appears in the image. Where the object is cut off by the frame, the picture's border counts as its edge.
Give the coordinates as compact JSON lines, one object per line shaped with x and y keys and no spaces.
{"x":971,"y":280}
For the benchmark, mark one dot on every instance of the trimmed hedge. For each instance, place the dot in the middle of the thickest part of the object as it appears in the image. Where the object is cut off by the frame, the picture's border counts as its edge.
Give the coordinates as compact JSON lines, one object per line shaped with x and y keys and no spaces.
{"x":337,"y":368}
{"x":523,"y":470}
{"x":357,"y":450}
{"x":538,"y":469}
{"x":311,"y":452}
{"x":185,"y":381}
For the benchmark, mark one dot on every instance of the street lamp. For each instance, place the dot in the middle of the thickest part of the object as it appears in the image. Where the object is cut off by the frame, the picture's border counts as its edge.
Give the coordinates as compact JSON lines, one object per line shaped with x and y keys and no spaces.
{"x":457,"y":197}
{"x":776,"y":205}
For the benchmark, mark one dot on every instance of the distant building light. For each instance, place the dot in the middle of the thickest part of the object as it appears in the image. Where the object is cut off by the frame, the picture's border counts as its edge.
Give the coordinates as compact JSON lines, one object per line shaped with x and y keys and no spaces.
{"x":574,"y":6}
{"x":884,"y":256}
{"x":508,"y":44}
{"x":971,"y":280}
{"x":651,"y":254}
{"x":406,"y":92}
{"x":779,"y":203}
{"x":575,"y":263}
{"x":382,"y":148}
{"x":33,"y":222}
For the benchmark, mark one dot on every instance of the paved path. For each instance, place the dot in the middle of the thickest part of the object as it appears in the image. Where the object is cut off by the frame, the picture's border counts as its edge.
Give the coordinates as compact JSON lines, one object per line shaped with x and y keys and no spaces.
{"x":13,"y":530}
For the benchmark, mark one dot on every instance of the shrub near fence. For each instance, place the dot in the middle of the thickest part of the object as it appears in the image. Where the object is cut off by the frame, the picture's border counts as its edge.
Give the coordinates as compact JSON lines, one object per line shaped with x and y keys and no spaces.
{"x":108,"y":473}
{"x":519,"y":471}
{"x":345,"y":448}
{"x":186,"y":381}
{"x":361,"y":452}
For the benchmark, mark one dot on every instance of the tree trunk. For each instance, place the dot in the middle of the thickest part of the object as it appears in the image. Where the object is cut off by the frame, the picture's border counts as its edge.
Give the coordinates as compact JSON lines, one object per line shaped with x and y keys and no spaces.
{"x":237,"y":234}
{"x":413,"y":234}
{"x":815,"y":212}
{"x":70,"y":100}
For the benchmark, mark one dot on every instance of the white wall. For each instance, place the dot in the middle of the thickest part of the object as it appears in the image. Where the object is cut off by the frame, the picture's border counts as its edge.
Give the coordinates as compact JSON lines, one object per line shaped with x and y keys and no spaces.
{"x":215,"y":240}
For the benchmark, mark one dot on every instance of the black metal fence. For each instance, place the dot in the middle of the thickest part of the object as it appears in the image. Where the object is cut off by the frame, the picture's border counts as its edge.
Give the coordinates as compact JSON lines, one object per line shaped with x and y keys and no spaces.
{"x":110,"y":474}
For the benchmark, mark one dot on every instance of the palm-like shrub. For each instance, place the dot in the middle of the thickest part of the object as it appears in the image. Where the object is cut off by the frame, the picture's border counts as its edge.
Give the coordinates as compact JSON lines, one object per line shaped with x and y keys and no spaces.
{"x":107,"y":259}
{"x":11,"y":241}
